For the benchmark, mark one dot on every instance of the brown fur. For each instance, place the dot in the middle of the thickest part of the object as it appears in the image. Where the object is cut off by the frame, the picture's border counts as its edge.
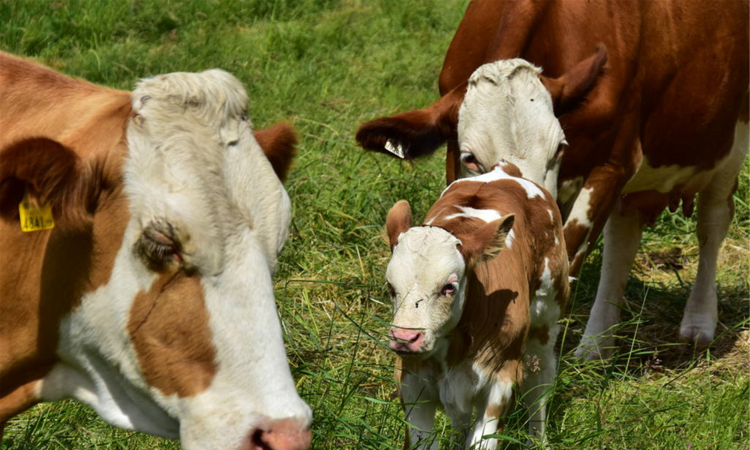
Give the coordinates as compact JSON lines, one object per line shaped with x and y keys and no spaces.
{"x":421,"y":131}
{"x":175,"y":355}
{"x":279,"y":145}
{"x":495,"y":322}
{"x":486,"y":242}
{"x":52,"y":175}
{"x":399,"y":220}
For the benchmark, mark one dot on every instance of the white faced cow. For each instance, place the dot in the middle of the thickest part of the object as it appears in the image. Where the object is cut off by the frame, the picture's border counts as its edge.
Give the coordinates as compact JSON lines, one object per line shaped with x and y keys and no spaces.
{"x":151,"y":299}
{"x":477,"y":291}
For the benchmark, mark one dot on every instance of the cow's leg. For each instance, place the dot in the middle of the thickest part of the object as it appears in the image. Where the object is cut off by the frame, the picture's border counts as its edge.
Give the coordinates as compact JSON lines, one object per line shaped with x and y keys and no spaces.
{"x":419,"y":406}
{"x":622,"y":236}
{"x":490,"y":415}
{"x":715,"y":213}
{"x":539,"y":378}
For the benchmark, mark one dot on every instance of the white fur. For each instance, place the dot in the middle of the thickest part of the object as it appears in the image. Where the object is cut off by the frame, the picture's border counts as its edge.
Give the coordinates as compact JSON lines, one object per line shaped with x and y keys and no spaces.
{"x":487,"y":215}
{"x":532,"y":190}
{"x":622,"y":235}
{"x":507,"y":115}
{"x":714,"y":217}
{"x":418,"y":289}
{"x":193,"y":162}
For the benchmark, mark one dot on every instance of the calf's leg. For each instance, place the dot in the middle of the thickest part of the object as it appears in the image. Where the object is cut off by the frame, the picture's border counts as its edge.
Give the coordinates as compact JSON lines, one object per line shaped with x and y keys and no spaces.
{"x":539,"y":378}
{"x":622,"y":236}
{"x":420,"y":406}
{"x":490,"y":415}
{"x":715,"y":213}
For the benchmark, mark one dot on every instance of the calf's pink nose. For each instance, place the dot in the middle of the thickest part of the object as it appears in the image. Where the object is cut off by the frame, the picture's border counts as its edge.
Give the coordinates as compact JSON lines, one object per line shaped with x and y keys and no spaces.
{"x":280,"y":435}
{"x":405,"y":340}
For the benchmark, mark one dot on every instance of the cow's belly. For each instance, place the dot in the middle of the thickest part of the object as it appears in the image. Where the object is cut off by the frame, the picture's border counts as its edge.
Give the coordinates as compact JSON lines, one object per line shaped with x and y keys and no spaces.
{"x":652,"y":189}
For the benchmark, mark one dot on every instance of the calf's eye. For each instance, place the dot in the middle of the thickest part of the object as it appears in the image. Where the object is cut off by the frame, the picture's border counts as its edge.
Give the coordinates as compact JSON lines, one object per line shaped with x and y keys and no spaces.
{"x":448,"y":289}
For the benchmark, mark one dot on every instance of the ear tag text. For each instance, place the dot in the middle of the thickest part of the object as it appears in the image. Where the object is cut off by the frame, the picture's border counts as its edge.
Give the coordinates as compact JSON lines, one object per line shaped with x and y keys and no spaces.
{"x":33,"y":216}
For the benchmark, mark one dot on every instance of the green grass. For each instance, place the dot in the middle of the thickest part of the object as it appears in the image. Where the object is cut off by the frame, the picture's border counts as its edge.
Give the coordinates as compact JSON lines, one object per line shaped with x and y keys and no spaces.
{"x":327,"y":66}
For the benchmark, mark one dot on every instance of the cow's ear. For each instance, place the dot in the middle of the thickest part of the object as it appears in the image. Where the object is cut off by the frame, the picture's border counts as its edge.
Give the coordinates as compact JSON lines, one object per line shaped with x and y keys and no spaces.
{"x":415,"y":133}
{"x":279,"y":145}
{"x":50,"y":174}
{"x":570,"y":90}
{"x":399,"y":221}
{"x":487,"y":241}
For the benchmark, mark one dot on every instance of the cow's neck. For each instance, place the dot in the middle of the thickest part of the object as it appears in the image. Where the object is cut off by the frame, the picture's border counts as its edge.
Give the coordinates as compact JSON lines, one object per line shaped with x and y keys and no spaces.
{"x":43,"y":103}
{"x":496,"y":311}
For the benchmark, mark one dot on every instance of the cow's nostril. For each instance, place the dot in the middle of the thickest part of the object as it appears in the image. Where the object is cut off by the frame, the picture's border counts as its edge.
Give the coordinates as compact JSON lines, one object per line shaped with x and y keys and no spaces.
{"x":405,"y":340}
{"x":256,"y":439}
{"x":281,"y":435}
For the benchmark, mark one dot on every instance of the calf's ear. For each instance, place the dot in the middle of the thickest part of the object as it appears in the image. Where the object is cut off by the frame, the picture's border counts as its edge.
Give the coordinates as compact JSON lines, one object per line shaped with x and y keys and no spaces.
{"x":487,"y":241}
{"x":50,"y":174}
{"x":416,"y":133}
{"x":279,"y":145}
{"x":570,"y":90}
{"x":399,"y":221}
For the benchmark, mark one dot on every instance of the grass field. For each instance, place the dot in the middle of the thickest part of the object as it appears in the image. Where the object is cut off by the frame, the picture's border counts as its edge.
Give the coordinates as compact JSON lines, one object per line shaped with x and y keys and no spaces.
{"x":326,"y":66}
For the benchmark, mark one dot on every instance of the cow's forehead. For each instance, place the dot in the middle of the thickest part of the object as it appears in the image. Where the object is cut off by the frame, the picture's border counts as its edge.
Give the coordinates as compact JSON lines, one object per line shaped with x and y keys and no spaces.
{"x":175,"y":171}
{"x":507,"y":109}
{"x":426,"y":255}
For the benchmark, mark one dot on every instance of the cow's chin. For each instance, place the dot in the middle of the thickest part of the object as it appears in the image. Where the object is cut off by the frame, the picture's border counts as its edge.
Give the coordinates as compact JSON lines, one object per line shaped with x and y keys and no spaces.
{"x":425,"y":351}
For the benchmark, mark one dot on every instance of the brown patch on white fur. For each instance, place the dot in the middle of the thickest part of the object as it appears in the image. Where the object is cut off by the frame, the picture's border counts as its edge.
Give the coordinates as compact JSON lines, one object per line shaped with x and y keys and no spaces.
{"x":176,"y":355}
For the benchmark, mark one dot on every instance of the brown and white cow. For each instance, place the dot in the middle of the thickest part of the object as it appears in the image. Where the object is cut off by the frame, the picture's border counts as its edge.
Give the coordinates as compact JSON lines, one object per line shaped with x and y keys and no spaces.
{"x":656,"y":115}
{"x":477,"y":291}
{"x":151,"y":299}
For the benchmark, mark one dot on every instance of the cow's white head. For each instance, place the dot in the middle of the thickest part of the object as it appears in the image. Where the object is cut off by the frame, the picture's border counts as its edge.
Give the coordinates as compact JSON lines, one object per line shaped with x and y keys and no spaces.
{"x":173,"y":328}
{"x":427,"y":277}
{"x":507,"y":114}
{"x":510,"y":113}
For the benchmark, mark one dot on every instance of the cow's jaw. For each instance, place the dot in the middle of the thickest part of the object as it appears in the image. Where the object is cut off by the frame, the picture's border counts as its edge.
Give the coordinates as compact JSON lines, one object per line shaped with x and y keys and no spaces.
{"x":192,"y":348}
{"x":423,"y":262}
{"x":507,"y":115}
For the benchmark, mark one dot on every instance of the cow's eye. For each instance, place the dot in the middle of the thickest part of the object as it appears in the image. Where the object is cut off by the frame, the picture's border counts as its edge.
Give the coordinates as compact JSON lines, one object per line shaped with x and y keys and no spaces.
{"x":158,"y":245}
{"x":448,"y":289}
{"x":561,"y":149}
{"x":470,"y":162}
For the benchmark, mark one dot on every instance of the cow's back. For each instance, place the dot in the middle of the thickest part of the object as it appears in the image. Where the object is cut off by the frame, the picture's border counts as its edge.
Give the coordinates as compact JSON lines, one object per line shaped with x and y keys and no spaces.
{"x":678,"y":68}
{"x":497,"y":314}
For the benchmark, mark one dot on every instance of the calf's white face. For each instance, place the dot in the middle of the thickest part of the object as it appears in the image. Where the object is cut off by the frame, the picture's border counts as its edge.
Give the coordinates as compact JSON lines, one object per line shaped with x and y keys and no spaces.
{"x":427,"y":283}
{"x":427,"y":277}
{"x":507,"y":115}
{"x":184,"y":339}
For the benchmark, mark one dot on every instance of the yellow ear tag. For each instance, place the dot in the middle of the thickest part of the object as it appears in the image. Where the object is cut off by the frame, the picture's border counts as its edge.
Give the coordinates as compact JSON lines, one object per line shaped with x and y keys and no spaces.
{"x":33,"y":216}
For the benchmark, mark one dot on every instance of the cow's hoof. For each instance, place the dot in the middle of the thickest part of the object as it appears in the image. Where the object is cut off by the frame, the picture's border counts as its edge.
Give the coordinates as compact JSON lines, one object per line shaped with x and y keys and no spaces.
{"x":594,"y":348}
{"x":700,"y":333}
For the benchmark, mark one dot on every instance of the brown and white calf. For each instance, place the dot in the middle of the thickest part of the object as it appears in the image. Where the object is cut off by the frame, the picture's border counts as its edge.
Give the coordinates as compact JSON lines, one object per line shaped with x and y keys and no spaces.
{"x":151,"y":300}
{"x":656,"y":115}
{"x":477,"y":291}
